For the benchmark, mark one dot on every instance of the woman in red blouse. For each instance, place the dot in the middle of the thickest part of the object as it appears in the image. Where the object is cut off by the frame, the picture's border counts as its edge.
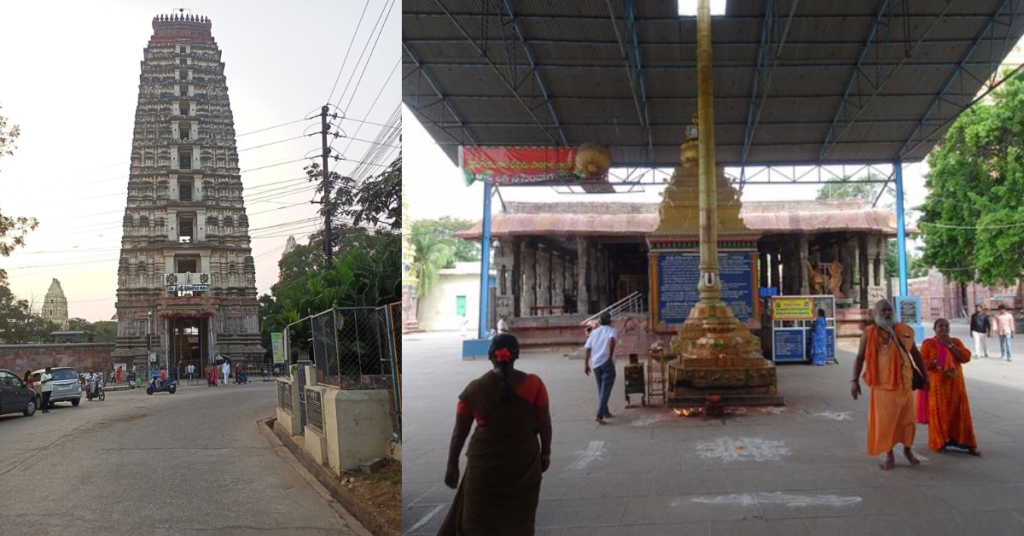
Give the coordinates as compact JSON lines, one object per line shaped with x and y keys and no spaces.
{"x":509,"y":450}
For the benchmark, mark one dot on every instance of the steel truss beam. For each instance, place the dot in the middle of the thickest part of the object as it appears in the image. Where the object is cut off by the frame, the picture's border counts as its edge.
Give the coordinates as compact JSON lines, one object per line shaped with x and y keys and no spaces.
{"x":507,"y":81}
{"x":767,"y":60}
{"x":995,"y":59}
{"x":876,"y":79}
{"x":685,"y":66}
{"x":424,"y":75}
{"x":626,"y":180}
{"x":534,"y":70}
{"x":634,"y":66}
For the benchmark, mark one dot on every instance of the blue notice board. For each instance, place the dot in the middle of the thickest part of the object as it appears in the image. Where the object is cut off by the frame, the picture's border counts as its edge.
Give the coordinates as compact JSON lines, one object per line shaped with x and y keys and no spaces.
{"x":789,"y":345}
{"x":678,"y":277}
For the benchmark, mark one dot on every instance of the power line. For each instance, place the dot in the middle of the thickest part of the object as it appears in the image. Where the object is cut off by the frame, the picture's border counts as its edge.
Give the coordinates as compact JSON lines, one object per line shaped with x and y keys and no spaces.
{"x":368,"y":58}
{"x":351,"y":76}
{"x":349,"y":49}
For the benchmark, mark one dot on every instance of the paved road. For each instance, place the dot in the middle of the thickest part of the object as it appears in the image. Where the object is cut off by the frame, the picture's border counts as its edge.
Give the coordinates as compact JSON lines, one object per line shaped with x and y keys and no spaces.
{"x":190,"y":463}
{"x":798,"y":470}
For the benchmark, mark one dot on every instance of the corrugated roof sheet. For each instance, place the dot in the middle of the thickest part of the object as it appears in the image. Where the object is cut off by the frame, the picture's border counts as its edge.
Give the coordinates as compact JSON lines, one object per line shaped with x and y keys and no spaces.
{"x":576,"y":46}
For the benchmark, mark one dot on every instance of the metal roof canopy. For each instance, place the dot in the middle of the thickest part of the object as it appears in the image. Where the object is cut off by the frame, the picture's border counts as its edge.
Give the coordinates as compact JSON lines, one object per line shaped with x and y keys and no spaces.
{"x":796,"y":82}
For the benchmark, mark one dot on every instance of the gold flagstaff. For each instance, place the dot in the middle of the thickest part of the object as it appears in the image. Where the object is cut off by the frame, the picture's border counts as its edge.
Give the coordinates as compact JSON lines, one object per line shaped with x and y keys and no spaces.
{"x":717,"y":355}
{"x":710,"y":287}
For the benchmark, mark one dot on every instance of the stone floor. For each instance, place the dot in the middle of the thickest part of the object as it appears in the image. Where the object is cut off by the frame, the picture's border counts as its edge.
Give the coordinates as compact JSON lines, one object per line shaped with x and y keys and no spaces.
{"x":797,"y":470}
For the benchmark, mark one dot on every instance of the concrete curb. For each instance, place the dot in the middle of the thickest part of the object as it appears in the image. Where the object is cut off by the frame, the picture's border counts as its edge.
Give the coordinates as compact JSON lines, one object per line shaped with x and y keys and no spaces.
{"x":350,"y":502}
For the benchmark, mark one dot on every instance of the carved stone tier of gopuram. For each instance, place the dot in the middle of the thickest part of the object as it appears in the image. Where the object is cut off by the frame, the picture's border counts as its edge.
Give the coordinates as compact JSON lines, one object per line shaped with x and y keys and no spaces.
{"x":186,"y":272}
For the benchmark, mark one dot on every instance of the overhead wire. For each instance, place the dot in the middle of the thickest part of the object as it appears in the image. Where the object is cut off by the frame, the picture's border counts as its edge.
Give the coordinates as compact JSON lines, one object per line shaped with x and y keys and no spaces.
{"x":347,"y":50}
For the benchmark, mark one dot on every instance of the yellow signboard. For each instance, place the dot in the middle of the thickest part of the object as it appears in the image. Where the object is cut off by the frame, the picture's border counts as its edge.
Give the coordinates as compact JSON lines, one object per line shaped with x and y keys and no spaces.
{"x":786,"y":308}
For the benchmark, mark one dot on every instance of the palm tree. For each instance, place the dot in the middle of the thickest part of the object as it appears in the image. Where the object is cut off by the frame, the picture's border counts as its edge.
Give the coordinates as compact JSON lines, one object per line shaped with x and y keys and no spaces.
{"x":433,"y":252}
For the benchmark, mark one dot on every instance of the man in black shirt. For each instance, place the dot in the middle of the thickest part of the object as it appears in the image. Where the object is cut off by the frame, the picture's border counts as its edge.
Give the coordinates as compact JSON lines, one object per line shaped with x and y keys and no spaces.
{"x":981,"y":328}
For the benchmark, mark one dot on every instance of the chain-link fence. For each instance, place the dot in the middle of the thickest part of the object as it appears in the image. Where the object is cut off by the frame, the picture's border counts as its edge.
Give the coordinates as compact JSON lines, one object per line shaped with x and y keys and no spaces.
{"x":360,"y":348}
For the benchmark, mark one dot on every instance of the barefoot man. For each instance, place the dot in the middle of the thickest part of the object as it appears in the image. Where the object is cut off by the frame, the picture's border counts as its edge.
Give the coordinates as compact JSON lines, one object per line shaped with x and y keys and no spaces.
{"x":885,"y":355}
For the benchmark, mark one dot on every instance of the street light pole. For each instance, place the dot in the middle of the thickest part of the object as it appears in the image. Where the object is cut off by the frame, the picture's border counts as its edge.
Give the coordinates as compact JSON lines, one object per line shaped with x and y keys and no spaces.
{"x":149,"y":339}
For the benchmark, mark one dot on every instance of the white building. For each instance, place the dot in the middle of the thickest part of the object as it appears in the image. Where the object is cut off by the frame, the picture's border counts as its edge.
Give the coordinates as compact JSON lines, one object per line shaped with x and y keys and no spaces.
{"x":454,"y":302}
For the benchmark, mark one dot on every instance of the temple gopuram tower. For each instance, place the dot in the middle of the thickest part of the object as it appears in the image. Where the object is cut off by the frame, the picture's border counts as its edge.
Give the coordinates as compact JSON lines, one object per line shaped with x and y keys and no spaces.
{"x":186,"y":272}
{"x":55,"y":306}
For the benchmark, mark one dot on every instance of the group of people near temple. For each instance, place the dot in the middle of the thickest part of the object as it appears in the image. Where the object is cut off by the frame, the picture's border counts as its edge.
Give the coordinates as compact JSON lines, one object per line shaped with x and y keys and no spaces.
{"x":511,"y":447}
{"x":893,"y":367}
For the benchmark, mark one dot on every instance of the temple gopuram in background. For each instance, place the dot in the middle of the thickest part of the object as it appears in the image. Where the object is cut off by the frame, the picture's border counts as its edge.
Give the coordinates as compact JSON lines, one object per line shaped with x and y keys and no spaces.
{"x":186,"y":270}
{"x":574,"y":259}
{"x":55,"y":306}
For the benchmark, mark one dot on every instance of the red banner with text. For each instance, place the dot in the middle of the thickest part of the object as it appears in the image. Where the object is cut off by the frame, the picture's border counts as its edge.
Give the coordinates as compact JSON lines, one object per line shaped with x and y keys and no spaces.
{"x":509,"y":166}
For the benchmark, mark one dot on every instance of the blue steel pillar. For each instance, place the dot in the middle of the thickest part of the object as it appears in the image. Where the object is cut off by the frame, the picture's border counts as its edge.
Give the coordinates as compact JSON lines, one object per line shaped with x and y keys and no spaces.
{"x":485,"y":262}
{"x":901,"y":231}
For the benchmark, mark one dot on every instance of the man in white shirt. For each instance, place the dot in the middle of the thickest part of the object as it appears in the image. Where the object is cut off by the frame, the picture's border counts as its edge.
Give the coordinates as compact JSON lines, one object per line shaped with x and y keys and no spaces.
{"x":225,"y":370}
{"x":601,"y":359}
{"x":189,"y":370}
{"x":503,"y":324}
{"x":46,"y":384}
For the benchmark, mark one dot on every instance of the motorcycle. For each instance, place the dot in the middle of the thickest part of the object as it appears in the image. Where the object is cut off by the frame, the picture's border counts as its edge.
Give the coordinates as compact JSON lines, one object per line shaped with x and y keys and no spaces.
{"x":94,"y":389}
{"x":168,"y":385}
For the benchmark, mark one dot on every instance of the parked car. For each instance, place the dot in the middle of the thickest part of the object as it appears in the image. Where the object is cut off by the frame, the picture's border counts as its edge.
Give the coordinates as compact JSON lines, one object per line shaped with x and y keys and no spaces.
{"x":15,"y":396}
{"x":67,"y":386}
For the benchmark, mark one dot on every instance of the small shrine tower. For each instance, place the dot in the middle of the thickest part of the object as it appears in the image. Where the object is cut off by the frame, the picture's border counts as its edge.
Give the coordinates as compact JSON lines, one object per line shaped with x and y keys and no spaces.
{"x":55,"y":306}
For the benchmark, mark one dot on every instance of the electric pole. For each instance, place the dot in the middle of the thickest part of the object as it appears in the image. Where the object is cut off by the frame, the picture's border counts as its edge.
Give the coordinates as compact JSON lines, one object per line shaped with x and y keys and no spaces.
{"x":327,"y":187}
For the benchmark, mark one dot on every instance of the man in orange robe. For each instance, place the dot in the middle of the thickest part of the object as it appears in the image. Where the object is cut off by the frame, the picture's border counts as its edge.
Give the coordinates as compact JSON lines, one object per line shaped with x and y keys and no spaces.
{"x":885,"y":354}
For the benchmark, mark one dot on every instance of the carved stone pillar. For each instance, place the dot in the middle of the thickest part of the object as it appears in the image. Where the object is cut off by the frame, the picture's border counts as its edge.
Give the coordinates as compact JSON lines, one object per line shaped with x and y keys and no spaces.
{"x":762,"y":268}
{"x":543,"y":276}
{"x":582,"y":269}
{"x":517,"y":277}
{"x":805,"y":286}
{"x":557,"y":279}
{"x":862,"y":265}
{"x":529,"y":257}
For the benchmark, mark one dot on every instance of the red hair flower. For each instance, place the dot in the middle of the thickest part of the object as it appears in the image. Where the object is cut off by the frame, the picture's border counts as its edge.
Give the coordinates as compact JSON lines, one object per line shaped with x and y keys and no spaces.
{"x":503,"y":355}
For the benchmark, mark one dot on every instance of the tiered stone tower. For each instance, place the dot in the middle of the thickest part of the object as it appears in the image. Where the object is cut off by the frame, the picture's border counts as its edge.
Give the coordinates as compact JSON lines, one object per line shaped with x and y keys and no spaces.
{"x":55,"y":306}
{"x":186,"y":263}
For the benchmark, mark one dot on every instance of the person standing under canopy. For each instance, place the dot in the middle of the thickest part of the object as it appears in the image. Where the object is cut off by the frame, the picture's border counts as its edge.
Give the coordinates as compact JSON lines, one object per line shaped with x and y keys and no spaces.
{"x":887,"y":357}
{"x":511,"y":447}
{"x":949,"y":413}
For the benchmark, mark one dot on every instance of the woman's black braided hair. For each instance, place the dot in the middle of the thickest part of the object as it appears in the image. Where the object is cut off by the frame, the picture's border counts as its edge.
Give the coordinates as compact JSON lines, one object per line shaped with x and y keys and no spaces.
{"x":511,"y":343}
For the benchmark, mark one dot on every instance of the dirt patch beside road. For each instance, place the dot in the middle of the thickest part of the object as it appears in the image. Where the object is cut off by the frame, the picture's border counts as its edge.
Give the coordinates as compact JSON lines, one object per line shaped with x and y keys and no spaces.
{"x":381,"y":492}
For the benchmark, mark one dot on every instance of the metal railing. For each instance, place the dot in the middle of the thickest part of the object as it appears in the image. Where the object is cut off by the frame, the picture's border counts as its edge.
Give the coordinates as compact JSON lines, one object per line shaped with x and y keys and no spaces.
{"x":634,"y":303}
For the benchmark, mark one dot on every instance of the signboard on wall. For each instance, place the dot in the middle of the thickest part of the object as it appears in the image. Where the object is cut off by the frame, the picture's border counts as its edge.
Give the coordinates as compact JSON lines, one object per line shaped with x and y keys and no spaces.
{"x":183,"y":288}
{"x":907,"y":309}
{"x":677,"y":276}
{"x":277,"y":346}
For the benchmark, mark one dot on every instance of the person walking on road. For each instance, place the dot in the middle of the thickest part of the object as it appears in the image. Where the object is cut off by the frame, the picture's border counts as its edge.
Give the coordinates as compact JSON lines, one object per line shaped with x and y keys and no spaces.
{"x":46,"y":384}
{"x":601,"y":359}
{"x":190,"y":370}
{"x":28,"y":379}
{"x":888,"y":357}
{"x":1005,"y":328}
{"x":225,"y":370}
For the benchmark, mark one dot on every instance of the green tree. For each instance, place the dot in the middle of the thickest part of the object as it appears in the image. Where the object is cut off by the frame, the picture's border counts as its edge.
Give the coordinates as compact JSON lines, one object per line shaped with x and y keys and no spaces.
{"x":379,"y":198}
{"x":849,"y":189}
{"x":12,"y":229}
{"x":18,"y":323}
{"x":974,"y":212}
